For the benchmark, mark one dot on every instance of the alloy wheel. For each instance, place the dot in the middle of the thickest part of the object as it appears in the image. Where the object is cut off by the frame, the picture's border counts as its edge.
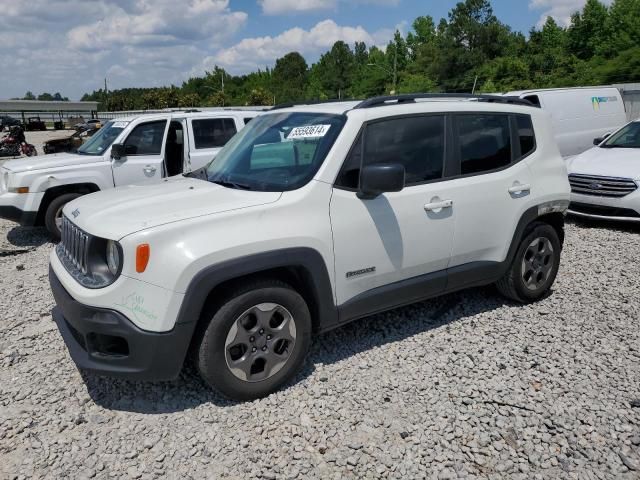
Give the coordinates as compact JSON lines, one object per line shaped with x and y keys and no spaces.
{"x":537,"y":263}
{"x":260,"y":342}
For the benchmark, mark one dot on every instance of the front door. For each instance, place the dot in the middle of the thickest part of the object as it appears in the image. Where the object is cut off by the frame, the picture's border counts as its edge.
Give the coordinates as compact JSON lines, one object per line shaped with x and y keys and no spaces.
{"x":404,"y":236}
{"x":145,"y":150}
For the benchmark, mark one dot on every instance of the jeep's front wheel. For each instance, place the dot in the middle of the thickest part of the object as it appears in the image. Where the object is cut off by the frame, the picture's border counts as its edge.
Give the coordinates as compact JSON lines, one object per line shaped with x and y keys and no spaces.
{"x":534,"y":267}
{"x":256,"y":341}
{"x":53,"y":214}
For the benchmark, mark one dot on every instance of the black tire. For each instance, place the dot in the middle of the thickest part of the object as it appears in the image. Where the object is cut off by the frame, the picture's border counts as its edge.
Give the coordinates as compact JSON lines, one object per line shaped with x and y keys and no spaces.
{"x":52,"y":212}
{"x":514,"y":284}
{"x":212,"y":353}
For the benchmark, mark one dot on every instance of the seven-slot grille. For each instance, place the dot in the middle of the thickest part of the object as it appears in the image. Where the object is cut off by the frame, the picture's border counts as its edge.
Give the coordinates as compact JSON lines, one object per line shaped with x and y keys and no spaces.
{"x":601,"y":186}
{"x":74,"y":244}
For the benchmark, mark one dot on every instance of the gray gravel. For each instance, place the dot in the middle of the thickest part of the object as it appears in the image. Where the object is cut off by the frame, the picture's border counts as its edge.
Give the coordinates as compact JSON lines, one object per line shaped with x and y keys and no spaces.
{"x":465,"y":386}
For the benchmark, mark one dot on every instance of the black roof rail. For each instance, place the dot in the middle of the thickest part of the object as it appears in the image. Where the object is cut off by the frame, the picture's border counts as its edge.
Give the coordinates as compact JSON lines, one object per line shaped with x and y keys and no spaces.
{"x":312,"y":102}
{"x":412,"y":97}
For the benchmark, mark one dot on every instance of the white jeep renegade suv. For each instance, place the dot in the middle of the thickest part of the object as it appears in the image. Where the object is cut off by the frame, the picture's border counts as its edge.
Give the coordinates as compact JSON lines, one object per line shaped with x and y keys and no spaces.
{"x":310,"y":217}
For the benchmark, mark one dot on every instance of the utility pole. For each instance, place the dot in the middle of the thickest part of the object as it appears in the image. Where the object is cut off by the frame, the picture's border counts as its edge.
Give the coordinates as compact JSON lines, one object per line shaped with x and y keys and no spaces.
{"x":395,"y":70}
{"x":106,"y":95}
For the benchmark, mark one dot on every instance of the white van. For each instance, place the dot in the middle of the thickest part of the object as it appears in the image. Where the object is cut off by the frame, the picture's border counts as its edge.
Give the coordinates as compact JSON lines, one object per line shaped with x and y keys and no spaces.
{"x":579,"y":114}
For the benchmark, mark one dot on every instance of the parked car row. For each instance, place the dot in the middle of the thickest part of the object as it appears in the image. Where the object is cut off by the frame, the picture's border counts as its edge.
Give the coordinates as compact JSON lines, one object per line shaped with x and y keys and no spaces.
{"x":241,"y":260}
{"x":36,"y":123}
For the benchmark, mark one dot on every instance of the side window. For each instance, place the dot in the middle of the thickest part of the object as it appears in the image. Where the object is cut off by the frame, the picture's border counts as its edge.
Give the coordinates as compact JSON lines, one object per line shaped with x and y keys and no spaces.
{"x":247,"y":120}
{"x":146,"y":139}
{"x":415,"y":142}
{"x":213,"y":132}
{"x":526,"y":135}
{"x":485,"y":142}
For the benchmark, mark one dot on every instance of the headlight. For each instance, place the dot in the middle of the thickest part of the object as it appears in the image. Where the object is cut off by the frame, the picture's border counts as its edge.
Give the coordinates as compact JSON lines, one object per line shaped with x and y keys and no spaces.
{"x":113,"y":257}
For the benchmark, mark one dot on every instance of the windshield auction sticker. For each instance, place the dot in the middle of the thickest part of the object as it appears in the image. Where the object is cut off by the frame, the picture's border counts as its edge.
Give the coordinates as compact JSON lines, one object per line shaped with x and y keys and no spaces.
{"x":310,"y":131}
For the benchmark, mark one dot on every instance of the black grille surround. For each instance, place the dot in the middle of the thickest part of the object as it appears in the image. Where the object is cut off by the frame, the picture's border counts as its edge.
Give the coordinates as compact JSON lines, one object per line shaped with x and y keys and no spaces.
{"x":595,"y":185}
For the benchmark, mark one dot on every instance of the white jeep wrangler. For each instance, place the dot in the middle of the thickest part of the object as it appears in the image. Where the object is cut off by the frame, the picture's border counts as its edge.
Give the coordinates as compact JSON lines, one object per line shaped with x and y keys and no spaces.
{"x":142,"y":149}
{"x":310,"y":217}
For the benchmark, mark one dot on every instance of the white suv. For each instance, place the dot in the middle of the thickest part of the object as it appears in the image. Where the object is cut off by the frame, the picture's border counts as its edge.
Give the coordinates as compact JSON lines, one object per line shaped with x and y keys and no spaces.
{"x":141,"y":149}
{"x":310,"y":217}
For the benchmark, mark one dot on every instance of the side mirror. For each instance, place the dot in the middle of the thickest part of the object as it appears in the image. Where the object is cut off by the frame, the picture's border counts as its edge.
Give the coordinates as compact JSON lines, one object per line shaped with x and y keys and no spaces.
{"x":599,"y":140}
{"x":118,"y":151}
{"x":381,"y":178}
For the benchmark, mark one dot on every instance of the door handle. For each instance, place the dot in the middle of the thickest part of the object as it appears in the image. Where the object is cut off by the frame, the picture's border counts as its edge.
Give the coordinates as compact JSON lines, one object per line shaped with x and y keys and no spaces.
{"x":150,"y":169}
{"x":520,"y":188}
{"x":430,"y":207}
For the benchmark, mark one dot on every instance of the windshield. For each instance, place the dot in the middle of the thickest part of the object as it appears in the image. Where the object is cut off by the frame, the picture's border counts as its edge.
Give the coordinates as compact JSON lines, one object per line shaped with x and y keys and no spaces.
{"x":276,"y":152}
{"x":626,"y":137}
{"x":103,"y":139}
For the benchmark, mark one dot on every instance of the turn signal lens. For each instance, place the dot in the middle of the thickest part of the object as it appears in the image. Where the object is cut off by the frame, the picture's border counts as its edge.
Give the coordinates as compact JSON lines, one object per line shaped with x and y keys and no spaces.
{"x":143,"y":252}
{"x":19,"y":190}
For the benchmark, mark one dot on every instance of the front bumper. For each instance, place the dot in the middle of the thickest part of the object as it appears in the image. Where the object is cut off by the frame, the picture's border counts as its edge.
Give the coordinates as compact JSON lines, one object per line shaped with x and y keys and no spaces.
{"x":105,"y":342}
{"x":20,"y":207}
{"x":625,"y":208}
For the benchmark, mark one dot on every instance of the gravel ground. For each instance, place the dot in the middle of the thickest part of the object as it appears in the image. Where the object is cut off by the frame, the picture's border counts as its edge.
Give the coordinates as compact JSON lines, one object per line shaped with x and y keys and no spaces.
{"x":464,"y":386}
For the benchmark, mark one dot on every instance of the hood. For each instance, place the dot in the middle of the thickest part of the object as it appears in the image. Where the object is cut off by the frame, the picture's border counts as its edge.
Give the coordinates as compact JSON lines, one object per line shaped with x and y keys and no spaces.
{"x":55,"y":141}
{"x":607,"y":162}
{"x":118,"y":212}
{"x":45,"y":162}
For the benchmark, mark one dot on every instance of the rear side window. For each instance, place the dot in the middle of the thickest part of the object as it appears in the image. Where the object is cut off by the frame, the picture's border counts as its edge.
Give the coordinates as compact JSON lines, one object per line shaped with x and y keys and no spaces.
{"x":485,"y":142}
{"x":247,"y":120}
{"x":213,"y":132}
{"x":417,"y":143}
{"x":526,"y":135}
{"x":534,"y":100}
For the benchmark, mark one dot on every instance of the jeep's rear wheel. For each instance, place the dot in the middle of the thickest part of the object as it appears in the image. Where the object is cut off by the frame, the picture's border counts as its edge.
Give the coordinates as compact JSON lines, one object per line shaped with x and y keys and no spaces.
{"x":256,"y":341}
{"x":53,"y":214}
{"x":534,"y":267}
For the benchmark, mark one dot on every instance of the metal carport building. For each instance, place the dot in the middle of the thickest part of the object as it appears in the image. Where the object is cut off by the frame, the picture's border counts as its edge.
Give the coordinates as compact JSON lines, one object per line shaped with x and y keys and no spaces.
{"x":53,"y":111}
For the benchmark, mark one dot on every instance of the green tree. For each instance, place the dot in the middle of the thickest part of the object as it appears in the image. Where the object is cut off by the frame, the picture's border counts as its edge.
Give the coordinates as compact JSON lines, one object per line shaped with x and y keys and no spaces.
{"x":29,"y":96}
{"x":588,"y":30}
{"x":622,"y":28}
{"x":424,"y":33}
{"x":45,"y":97}
{"x":290,"y":78}
{"x":336,"y":69}
{"x":259,"y":96}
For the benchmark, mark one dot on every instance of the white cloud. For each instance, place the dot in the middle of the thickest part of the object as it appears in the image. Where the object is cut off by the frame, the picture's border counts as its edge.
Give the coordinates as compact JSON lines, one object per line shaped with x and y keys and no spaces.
{"x":257,"y":52}
{"x":163,"y":22}
{"x":560,"y":10}
{"x":280,"y":7}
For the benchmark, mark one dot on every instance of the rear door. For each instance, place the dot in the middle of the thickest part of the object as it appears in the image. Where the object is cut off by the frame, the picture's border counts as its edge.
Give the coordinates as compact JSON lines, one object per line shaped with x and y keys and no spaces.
{"x":207,"y":136}
{"x":145,"y":146}
{"x":397,"y":236}
{"x":492,"y":187}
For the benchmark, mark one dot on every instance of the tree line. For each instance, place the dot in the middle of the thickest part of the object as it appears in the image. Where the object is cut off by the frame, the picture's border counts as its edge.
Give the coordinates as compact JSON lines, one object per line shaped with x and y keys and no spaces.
{"x":44,"y":97}
{"x":470,"y":50}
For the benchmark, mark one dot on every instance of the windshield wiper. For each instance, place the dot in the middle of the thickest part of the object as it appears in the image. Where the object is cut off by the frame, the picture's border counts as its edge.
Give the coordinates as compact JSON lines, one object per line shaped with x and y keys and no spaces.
{"x":236,"y":185}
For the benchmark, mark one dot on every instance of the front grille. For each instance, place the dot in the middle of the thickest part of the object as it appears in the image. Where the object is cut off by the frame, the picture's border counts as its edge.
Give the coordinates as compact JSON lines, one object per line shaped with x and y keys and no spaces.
{"x":601,"y":186}
{"x":603,"y":211}
{"x":74,"y":245}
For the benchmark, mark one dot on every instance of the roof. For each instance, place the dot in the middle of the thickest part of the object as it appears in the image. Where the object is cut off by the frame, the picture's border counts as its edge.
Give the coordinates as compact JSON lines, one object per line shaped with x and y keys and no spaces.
{"x":183,"y":114}
{"x":44,"y":106}
{"x":526,"y":92}
{"x":406,"y":100}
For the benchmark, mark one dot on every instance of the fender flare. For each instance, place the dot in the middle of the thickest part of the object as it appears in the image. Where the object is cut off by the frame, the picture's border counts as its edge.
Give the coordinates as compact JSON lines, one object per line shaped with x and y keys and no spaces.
{"x":308,"y":260}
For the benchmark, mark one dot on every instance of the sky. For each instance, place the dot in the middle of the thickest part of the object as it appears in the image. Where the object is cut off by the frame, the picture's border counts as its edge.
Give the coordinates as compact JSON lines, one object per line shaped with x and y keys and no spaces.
{"x":70,"y":46}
